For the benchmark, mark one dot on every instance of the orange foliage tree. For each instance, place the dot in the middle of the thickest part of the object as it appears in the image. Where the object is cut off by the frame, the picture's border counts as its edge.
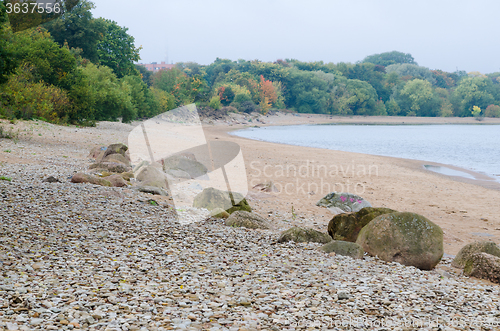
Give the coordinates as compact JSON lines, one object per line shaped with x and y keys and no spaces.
{"x":267,"y":94}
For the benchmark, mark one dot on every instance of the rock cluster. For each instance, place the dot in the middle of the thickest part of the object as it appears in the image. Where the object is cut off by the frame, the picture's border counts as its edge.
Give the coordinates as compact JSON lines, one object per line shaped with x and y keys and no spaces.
{"x":346,"y":226}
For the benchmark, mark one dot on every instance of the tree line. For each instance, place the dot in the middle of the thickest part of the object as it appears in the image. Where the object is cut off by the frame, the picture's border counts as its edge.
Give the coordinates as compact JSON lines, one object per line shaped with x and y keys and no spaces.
{"x":80,"y":69}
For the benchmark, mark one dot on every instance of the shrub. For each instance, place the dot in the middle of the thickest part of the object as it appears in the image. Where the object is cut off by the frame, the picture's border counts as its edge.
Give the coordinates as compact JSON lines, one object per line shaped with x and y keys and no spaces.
{"x":27,"y":99}
{"x":492,"y":111}
{"x":214,"y":102}
{"x":249,"y":107}
{"x":163,"y":101}
{"x":242,"y":97}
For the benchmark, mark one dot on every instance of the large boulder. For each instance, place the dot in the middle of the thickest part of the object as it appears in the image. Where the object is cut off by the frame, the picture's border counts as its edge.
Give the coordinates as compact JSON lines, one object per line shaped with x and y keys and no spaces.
{"x":151,"y":176}
{"x":85,"y":178}
{"x":403,"y":237}
{"x":246,"y":219}
{"x":115,"y":167}
{"x":476,"y":247}
{"x":346,"y":226}
{"x":97,"y":153}
{"x":116,"y":180}
{"x":344,"y":248}
{"x":346,"y":202}
{"x":116,"y":149}
{"x":118,"y":158}
{"x":186,"y":164}
{"x":212,"y":198}
{"x":304,"y":235}
{"x":484,"y":266}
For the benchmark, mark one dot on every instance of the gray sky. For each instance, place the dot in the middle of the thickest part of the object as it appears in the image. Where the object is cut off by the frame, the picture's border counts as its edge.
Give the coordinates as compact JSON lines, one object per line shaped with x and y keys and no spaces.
{"x":440,"y":34}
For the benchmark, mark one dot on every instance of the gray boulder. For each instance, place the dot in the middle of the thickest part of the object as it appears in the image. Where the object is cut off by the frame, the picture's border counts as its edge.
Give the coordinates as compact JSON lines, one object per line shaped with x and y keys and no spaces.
{"x":346,"y":202}
{"x":151,"y":176}
{"x":484,"y":266}
{"x":186,"y":164}
{"x":212,"y":198}
{"x":304,"y":235}
{"x":403,"y":237}
{"x":476,"y":247}
{"x":178,"y":174}
{"x":344,"y":248}
{"x":246,"y":219}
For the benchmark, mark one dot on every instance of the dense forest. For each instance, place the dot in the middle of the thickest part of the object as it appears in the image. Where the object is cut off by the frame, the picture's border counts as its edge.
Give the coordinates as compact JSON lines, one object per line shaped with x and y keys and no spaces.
{"x":80,"y":69}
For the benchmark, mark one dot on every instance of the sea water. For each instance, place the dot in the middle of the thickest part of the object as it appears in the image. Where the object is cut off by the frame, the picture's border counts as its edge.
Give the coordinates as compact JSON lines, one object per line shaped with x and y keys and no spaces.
{"x":473,"y":147}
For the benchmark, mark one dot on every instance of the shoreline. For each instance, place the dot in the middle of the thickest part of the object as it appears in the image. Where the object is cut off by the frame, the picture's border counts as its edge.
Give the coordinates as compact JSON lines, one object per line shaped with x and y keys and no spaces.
{"x":479,"y":178}
{"x":463,"y":207}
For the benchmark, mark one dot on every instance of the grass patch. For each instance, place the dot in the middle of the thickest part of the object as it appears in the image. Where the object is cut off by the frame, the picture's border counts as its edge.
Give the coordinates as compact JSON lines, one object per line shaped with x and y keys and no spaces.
{"x":6,"y":178}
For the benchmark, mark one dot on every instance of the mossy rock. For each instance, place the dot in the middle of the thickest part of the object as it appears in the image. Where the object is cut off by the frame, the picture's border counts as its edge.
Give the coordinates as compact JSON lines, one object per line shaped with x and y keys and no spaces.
{"x":212,"y":198}
{"x":346,"y":227}
{"x":304,"y":235}
{"x":483,"y":265}
{"x":116,"y":149}
{"x":476,"y":247}
{"x":219,"y":213}
{"x":344,"y":248}
{"x":127,"y":175}
{"x":403,"y":237}
{"x":248,"y":220}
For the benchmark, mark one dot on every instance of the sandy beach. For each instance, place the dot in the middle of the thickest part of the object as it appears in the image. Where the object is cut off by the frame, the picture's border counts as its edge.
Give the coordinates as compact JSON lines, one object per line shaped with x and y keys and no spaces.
{"x":90,"y":257}
{"x":467,"y":210}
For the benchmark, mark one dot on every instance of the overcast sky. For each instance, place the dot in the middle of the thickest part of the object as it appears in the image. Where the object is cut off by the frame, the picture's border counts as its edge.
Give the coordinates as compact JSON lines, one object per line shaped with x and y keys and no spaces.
{"x":440,"y":34}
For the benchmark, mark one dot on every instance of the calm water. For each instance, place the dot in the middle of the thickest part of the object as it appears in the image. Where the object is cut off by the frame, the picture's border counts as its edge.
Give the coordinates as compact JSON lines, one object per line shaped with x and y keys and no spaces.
{"x":474,"y":147}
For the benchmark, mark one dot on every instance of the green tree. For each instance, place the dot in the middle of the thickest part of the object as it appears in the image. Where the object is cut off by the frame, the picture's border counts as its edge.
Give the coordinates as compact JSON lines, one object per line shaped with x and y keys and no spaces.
{"x":28,"y":16}
{"x":78,"y":29}
{"x":412,"y":71}
{"x":110,"y":97}
{"x":7,"y":63}
{"x":473,"y":91}
{"x":144,"y":73}
{"x":417,"y":98}
{"x":392,"y":107}
{"x":388,"y":58}
{"x":49,"y":62}
{"x":116,"y":48}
